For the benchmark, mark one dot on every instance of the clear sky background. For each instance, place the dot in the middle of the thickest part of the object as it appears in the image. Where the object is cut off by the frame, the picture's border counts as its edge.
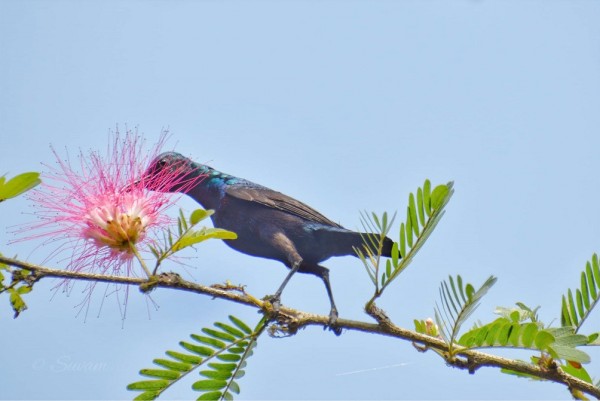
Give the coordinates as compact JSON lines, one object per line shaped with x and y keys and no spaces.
{"x":346,"y":106}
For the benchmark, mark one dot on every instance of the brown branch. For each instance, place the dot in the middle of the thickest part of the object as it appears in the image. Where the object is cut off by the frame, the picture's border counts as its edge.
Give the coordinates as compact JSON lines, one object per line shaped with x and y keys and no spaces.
{"x":288,"y":321}
{"x":166,"y":280}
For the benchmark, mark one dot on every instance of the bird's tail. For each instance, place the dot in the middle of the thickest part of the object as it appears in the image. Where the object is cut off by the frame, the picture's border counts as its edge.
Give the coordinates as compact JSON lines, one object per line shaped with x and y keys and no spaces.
{"x":345,"y":241}
{"x":387,"y":244}
{"x":387,"y":247}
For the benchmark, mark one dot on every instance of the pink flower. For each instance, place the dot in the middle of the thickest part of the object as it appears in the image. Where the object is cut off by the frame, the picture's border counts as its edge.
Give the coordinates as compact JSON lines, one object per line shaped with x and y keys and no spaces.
{"x":101,"y":210}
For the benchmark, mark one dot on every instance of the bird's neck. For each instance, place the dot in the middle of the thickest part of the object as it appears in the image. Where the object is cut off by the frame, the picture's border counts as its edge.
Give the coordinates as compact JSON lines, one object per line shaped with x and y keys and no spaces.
{"x":211,"y":189}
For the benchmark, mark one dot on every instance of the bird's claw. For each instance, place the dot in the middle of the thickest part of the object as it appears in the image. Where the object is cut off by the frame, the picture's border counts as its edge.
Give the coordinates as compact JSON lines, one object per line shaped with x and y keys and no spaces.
{"x":333,"y":317}
{"x":275,"y":302}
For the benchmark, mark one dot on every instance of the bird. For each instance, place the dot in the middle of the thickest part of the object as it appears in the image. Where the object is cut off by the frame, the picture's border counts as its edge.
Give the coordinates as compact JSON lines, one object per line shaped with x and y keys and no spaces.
{"x":268,"y":223}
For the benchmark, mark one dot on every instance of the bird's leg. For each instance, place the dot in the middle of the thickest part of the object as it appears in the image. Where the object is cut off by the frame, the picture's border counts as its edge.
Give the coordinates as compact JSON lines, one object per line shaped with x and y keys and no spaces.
{"x":275,"y":299}
{"x":280,"y":241}
{"x":323,"y":273}
{"x":333,"y":313}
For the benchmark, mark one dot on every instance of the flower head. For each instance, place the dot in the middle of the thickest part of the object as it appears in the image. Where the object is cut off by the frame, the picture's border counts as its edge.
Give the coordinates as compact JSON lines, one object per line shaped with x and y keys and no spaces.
{"x":119,"y":222}
{"x":100,"y":210}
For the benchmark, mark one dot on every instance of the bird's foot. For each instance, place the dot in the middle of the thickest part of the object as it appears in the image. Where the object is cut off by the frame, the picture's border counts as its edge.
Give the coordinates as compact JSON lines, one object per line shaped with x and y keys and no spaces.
{"x":275,"y":302}
{"x":333,"y":317}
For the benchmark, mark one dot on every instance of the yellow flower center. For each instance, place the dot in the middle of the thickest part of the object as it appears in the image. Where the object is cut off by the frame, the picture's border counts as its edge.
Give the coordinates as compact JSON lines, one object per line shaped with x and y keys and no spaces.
{"x":118,"y":229}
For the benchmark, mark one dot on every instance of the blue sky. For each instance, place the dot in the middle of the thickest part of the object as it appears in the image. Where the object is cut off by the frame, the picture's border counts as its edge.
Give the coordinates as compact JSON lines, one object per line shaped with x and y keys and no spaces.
{"x":346,"y":106}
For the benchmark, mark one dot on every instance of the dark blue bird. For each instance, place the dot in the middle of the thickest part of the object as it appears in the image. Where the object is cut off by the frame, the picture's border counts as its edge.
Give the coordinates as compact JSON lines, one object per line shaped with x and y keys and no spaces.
{"x":269,"y":224}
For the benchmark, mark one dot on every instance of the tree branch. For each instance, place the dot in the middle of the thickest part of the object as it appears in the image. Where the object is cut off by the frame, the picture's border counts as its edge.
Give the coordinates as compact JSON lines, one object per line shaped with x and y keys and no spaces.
{"x":287,"y":322}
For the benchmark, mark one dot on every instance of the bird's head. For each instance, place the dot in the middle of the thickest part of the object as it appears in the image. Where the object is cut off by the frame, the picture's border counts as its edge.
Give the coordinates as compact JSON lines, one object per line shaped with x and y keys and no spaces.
{"x":171,"y":172}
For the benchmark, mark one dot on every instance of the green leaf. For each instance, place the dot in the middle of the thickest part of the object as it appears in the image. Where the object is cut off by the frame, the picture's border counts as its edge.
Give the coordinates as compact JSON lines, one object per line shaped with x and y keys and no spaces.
{"x":147,"y":395}
{"x":579,"y":373}
{"x":218,"y":334}
{"x":565,"y":315}
{"x":18,"y":184}
{"x":17,"y":303}
{"x":195,"y":237}
{"x":592,"y":283}
{"x":213,"y":395}
{"x":412,"y":210}
{"x":228,"y":367}
{"x":229,"y":357}
{"x":234,"y":387}
{"x":461,"y":288}
{"x":420,"y":207}
{"x":172,"y":365}
{"x":454,"y":292}
{"x":409,"y":229}
{"x":592,"y":338}
{"x":493,"y":333}
{"x":241,"y":325}
{"x":543,"y":339}
{"x":515,"y":334}
{"x":572,"y":310}
{"x":231,"y":330}
{"x":197,"y":349}
{"x":529,"y":332}
{"x":148,"y":385}
{"x":155,"y":253}
{"x":216,"y":374}
{"x":596,"y":268}
{"x":470,"y":290}
{"x":515,"y":316}
{"x":160,"y":373}
{"x":171,"y":240}
{"x":395,"y":255}
{"x":504,"y":332}
{"x":236,"y":350}
{"x":481,"y":334}
{"x":578,"y":298}
{"x":438,"y":196}
{"x":24,"y":289}
{"x":185,"y":358}
{"x":182,"y":225}
{"x":449,"y":302}
{"x":420,"y":326}
{"x":519,"y":314}
{"x":402,"y":240}
{"x":569,"y":339}
{"x":209,"y":385}
{"x":427,"y":197}
{"x":569,"y":353}
{"x":200,"y":214}
{"x":209,"y":341}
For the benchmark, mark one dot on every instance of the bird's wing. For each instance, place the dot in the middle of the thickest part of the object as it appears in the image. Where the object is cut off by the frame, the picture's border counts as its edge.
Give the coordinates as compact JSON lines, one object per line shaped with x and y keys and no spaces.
{"x":277,"y":200}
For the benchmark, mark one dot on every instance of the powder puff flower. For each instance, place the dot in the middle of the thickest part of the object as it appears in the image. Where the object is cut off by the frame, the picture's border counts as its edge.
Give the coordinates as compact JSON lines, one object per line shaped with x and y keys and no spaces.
{"x":100,"y":213}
